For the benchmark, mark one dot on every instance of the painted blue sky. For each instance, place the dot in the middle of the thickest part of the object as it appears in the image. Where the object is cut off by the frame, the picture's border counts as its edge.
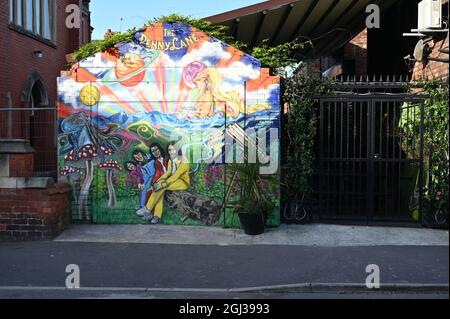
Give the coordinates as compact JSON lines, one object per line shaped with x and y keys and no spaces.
{"x":123,"y":15}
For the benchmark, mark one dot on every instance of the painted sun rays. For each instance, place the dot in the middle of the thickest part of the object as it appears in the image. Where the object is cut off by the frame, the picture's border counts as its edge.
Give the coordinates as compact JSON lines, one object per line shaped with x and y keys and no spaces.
{"x":159,"y":91}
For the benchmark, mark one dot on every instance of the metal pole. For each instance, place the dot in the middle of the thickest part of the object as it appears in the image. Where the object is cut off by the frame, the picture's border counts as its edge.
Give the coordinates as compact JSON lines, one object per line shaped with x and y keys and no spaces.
{"x":10,"y":118}
{"x":430,"y":150}
{"x":421,"y":186}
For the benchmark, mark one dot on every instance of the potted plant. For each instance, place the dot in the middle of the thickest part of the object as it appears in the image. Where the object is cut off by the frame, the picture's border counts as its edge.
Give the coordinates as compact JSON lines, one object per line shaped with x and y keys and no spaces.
{"x":254,"y":205}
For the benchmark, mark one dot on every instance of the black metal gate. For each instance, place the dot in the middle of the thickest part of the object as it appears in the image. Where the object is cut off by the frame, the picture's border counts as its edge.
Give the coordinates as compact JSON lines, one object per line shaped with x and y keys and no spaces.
{"x":370,"y":157}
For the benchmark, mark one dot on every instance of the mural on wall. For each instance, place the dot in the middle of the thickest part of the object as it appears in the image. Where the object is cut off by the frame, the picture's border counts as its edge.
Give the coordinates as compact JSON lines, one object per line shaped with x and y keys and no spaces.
{"x":143,"y":126}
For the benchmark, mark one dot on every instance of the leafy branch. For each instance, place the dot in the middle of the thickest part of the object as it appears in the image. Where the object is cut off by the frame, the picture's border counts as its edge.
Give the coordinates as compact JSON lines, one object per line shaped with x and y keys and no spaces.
{"x":300,"y":132}
{"x":436,"y":137}
{"x":270,"y":56}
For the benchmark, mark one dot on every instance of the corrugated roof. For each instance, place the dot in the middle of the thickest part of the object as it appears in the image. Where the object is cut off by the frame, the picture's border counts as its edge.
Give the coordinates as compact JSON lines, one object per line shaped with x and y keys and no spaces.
{"x":329,"y":23}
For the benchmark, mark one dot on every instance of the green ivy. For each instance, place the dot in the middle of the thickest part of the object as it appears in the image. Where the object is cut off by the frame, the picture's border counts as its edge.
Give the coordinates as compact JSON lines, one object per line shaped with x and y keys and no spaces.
{"x":301,"y":126}
{"x":214,"y":30}
{"x":270,"y":56}
{"x":280,"y":56}
{"x":436,"y":138}
{"x":96,"y":46}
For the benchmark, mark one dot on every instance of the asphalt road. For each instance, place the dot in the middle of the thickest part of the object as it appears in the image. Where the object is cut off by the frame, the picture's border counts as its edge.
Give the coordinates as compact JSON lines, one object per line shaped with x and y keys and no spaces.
{"x":210,"y":271}
{"x":125,"y":295}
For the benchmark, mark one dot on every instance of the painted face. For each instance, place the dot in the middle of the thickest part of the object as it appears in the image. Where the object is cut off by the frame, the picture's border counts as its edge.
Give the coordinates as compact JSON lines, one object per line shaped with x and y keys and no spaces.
{"x":131,"y":167}
{"x":139,"y":157}
{"x":173,"y":152}
{"x":156,"y":152}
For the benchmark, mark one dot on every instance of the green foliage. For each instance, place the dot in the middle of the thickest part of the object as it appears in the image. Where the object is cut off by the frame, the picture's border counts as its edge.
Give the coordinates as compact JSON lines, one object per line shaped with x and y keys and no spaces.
{"x":300,"y":130}
{"x":270,"y":56}
{"x":96,"y":46}
{"x":279,"y":56}
{"x":199,"y":185}
{"x":213,"y":30}
{"x":254,"y":196}
{"x":436,"y":138}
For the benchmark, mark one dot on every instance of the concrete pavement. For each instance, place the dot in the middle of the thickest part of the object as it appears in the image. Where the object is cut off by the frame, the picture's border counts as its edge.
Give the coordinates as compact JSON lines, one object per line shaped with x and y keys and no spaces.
{"x":292,"y":235}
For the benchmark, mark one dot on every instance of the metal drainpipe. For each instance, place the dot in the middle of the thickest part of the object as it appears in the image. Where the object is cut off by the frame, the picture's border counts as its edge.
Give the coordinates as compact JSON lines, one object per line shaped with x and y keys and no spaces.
{"x":10,"y":118}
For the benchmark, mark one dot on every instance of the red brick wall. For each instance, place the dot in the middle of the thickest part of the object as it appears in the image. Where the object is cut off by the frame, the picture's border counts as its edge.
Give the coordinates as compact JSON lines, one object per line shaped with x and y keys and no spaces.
{"x":21,"y":165}
{"x":357,"y":50}
{"x":34,"y":214}
{"x":433,"y":69}
{"x":17,"y":62}
{"x":17,"y":58}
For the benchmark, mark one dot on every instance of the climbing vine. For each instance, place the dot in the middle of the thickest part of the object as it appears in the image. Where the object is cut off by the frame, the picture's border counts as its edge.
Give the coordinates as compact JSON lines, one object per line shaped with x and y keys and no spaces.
{"x":278,"y":57}
{"x":300,"y":131}
{"x":270,"y":56}
{"x":96,"y":46}
{"x":436,"y":138}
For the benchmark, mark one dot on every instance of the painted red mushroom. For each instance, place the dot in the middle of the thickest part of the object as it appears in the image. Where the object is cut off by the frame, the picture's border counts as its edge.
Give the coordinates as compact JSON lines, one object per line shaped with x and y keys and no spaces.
{"x":87,"y":153}
{"x":110,"y":166}
{"x":70,"y":157}
{"x":106,"y":151}
{"x":68,"y":172}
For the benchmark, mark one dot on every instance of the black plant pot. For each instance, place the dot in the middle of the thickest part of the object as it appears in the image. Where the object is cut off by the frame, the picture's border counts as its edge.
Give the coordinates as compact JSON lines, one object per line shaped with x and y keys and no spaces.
{"x":252,"y":224}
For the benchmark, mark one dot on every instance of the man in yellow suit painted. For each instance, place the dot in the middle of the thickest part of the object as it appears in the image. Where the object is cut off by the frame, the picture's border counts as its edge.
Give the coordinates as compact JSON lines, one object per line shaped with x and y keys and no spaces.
{"x":175,"y":179}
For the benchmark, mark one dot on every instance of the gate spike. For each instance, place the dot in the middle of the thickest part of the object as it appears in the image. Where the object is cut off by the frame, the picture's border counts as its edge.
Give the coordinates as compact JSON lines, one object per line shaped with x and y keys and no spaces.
{"x":374,"y":78}
{"x":367,"y":78}
{"x":407,"y":78}
{"x":394,"y":79}
{"x":348,"y":78}
{"x":360,"y":78}
{"x":387,"y":80}
{"x":381,"y":77}
{"x":354,"y":78}
{"x":401,"y":78}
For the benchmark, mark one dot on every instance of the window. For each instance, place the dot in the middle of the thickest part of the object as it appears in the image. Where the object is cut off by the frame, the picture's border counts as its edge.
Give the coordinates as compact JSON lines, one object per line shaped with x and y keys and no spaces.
{"x":11,"y":10}
{"x":35,"y":16}
{"x":15,"y":12}
{"x":19,"y":12}
{"x":47,"y":21}
{"x":29,"y":15}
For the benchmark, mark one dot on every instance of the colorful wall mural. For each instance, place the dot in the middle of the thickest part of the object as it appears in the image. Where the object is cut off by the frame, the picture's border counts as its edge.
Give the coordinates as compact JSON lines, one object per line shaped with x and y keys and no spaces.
{"x":143,"y":127}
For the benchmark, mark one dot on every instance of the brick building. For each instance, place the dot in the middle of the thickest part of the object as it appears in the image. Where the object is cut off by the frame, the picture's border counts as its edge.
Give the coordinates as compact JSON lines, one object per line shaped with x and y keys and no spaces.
{"x":34,"y":43}
{"x":343,"y":46}
{"x":378,"y":53}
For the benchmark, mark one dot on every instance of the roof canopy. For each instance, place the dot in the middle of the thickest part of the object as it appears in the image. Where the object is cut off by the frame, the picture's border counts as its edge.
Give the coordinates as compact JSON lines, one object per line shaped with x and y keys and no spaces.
{"x":329,"y":23}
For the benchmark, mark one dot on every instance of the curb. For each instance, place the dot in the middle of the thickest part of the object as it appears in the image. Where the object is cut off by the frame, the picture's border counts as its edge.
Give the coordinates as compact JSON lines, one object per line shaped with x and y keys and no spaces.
{"x":348,"y":288}
{"x":293,"y":288}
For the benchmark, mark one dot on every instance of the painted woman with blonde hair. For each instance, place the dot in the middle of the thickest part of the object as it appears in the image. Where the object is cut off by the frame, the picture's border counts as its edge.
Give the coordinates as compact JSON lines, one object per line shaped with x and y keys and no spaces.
{"x":207,"y":81}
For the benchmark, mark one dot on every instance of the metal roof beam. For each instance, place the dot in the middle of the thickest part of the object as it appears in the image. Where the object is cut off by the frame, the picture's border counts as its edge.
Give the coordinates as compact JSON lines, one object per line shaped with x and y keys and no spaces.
{"x":286,"y":14}
{"x":235,"y":28}
{"x":303,"y":20}
{"x":340,"y":41}
{"x":336,"y":23}
{"x":261,"y":19}
{"x":325,"y":15}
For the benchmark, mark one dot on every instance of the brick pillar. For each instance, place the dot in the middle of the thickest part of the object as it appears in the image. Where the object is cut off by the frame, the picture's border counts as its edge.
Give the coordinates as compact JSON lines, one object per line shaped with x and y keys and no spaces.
{"x":30,"y":208}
